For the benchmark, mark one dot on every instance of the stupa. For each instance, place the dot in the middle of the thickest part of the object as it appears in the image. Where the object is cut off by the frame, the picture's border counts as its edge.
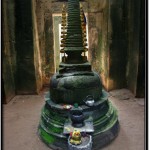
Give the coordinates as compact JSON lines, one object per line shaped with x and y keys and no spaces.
{"x":76,"y":102}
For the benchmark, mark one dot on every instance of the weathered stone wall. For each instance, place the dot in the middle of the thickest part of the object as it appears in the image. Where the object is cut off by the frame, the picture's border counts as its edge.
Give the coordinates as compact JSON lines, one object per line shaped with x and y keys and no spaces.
{"x":28,"y":68}
{"x":37,"y":54}
{"x":39,"y":17}
{"x":98,"y":42}
{"x":107,"y":41}
{"x":136,"y":50}
{"x":46,"y":42}
{"x":117,"y":45}
{"x":8,"y":50}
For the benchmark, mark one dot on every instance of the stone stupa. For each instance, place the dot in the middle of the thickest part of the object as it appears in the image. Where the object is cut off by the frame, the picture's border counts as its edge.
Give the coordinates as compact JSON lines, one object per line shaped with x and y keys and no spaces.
{"x":76,"y":99}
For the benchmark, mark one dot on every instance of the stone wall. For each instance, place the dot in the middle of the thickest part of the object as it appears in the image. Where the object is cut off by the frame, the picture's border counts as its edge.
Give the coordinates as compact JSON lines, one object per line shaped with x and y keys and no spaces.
{"x":37,"y":54}
{"x":21,"y":64}
{"x":45,"y":34}
{"x":98,"y":42}
{"x":107,"y":40}
{"x":8,"y":51}
{"x":117,"y":43}
{"x":25,"y":69}
{"x":136,"y":47}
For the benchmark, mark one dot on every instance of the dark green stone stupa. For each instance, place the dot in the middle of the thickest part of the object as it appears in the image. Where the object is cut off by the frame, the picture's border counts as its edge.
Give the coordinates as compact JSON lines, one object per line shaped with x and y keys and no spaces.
{"x":76,"y":100}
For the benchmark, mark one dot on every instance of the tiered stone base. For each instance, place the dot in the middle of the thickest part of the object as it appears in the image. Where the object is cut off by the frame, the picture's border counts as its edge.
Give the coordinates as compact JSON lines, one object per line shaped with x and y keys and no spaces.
{"x":54,"y":116}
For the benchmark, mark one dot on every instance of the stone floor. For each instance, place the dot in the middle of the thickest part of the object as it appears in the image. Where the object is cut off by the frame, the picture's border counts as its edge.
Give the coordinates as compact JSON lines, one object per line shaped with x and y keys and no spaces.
{"x":22,"y":114}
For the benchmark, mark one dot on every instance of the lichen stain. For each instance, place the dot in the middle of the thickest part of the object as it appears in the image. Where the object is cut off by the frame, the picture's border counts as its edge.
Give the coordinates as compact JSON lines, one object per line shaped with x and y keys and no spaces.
{"x":96,"y":5}
{"x":94,"y":36}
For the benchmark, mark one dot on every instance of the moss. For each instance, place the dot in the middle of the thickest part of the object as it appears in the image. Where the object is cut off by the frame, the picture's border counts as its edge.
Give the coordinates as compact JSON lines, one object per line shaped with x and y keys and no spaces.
{"x":49,"y":139}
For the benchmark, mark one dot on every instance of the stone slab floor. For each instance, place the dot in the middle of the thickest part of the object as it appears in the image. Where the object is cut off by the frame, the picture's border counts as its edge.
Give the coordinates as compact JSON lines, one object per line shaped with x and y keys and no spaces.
{"x":22,"y":114}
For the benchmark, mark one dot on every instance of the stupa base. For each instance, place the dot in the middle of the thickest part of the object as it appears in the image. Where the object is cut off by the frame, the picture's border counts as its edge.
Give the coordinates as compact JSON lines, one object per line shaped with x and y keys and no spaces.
{"x":54,"y":116}
{"x":99,"y":141}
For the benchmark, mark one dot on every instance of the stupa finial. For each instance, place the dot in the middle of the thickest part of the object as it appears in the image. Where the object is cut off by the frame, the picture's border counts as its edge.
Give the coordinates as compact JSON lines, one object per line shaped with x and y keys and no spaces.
{"x":73,"y":38}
